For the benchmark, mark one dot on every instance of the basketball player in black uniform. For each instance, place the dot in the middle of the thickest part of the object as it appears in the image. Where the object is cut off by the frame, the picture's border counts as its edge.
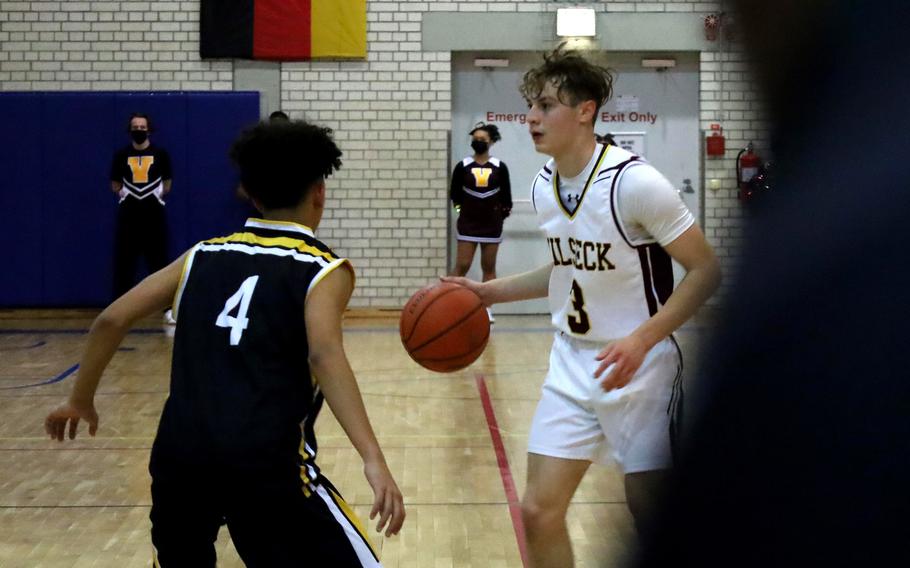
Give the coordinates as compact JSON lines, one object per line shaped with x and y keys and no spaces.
{"x":258,"y":347}
{"x":482,"y":193}
{"x":141,"y":178}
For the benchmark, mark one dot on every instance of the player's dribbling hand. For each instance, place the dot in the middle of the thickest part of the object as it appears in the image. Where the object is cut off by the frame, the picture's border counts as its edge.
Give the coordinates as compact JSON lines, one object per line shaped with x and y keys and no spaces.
{"x":388,"y":502}
{"x":70,"y":413}
{"x":472,"y":285}
{"x":626,"y":355}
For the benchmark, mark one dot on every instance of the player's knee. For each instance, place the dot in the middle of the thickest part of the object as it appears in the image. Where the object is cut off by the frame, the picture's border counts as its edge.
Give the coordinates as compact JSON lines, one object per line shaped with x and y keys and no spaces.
{"x":488,"y":267}
{"x":540,"y":518}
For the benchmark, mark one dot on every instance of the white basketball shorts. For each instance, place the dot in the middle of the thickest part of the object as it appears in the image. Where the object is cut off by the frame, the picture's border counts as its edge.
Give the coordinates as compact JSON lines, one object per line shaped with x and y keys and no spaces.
{"x":631,"y":426}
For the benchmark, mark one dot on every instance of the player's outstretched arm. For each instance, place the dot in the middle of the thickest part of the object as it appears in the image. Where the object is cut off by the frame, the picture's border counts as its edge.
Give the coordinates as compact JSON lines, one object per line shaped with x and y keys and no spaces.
{"x":152,"y":295}
{"x":324,"y":309}
{"x":692,"y":250}
{"x":525,"y":286}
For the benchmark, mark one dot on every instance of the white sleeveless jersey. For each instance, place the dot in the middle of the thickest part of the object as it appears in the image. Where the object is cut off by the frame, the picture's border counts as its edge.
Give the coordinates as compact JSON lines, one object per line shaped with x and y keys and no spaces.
{"x":602,"y":287}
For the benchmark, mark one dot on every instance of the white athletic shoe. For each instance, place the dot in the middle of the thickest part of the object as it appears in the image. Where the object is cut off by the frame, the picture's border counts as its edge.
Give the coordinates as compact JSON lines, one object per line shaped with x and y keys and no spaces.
{"x":490,"y":315}
{"x":169,"y":318}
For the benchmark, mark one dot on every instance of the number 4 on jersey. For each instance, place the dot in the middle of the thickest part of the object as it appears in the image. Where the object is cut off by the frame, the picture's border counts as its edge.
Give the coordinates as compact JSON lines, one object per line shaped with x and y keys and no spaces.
{"x":239,"y":322}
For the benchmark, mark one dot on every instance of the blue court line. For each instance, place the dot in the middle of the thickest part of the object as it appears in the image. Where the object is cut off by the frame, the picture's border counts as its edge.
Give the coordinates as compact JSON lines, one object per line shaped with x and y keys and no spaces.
{"x":50,"y":381}
{"x":140,"y":331}
{"x":38,"y":344}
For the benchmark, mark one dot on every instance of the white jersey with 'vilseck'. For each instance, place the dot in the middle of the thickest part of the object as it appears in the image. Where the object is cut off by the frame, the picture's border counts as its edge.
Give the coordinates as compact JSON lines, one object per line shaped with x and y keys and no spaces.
{"x":604,"y":282}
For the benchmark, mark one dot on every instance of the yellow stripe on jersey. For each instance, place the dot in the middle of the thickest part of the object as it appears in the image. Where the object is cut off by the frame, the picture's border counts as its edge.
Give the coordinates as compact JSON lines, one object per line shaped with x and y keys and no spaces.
{"x":352,"y":517}
{"x":275,"y":242}
{"x":303,"y":473}
{"x":184,"y":274}
{"x":584,"y":191}
{"x":325,"y":272}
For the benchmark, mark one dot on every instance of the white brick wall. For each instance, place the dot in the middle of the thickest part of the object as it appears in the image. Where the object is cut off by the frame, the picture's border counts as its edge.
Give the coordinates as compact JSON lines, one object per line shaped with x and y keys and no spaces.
{"x":728,"y":98}
{"x":390,"y":112}
{"x":97,"y":46}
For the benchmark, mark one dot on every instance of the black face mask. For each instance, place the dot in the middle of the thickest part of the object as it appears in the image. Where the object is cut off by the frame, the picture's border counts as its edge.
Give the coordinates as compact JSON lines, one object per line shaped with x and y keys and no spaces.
{"x":480,"y":146}
{"x":139,"y":136}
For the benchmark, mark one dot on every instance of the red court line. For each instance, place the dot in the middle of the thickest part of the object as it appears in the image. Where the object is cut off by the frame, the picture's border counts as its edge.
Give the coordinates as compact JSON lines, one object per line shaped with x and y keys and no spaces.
{"x":508,"y":483}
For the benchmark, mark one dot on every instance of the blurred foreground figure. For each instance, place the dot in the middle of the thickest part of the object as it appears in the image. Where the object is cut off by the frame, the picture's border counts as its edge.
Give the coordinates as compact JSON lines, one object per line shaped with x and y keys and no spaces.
{"x":800,"y":450}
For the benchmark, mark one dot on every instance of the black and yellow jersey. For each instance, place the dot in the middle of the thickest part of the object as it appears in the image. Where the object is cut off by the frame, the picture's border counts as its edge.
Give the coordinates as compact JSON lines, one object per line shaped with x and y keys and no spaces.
{"x":242,"y":396}
{"x":142,"y":172}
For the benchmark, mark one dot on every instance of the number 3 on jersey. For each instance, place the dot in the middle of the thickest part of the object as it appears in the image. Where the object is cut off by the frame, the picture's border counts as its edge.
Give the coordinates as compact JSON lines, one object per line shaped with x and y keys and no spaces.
{"x":239,"y":322}
{"x":579,"y":323}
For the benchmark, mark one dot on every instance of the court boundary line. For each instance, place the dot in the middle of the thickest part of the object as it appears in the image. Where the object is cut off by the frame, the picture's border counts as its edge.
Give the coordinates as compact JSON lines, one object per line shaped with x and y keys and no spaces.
{"x":49,"y":381}
{"x":22,"y":348}
{"x":505,"y":472}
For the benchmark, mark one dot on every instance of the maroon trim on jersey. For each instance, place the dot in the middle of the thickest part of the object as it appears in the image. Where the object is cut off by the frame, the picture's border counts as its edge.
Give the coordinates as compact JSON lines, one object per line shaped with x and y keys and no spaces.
{"x":534,"y":190}
{"x":613,"y":205}
{"x":675,"y":406}
{"x":657,"y":273}
{"x":662,"y":272}
{"x":646,"y":277}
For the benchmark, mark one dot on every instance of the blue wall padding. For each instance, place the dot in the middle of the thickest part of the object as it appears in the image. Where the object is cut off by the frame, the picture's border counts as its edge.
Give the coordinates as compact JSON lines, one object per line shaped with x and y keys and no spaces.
{"x":77,"y":212}
{"x":21,"y":268}
{"x":209,"y":167}
{"x":55,"y":153}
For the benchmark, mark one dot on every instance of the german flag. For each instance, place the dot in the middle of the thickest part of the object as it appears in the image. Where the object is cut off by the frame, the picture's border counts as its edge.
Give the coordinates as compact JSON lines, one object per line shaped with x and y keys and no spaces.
{"x":283,"y":30}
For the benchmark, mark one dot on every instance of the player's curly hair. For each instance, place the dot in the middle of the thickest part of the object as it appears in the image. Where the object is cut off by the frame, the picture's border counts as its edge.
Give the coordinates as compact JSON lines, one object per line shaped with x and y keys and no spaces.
{"x":491,"y":129}
{"x":280,"y":161}
{"x":576,"y":79}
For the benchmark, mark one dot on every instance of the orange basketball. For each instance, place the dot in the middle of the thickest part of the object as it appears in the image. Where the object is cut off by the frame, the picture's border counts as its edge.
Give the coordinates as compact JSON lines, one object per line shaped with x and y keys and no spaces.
{"x":444,"y":327}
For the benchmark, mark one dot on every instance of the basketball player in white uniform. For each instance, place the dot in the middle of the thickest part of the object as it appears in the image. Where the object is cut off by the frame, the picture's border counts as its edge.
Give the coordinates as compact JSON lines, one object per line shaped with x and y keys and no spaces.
{"x":612,"y":224}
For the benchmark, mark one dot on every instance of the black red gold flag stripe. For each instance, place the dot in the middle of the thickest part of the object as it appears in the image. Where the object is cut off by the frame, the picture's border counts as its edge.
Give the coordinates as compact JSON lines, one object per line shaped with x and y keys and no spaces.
{"x":283,"y":30}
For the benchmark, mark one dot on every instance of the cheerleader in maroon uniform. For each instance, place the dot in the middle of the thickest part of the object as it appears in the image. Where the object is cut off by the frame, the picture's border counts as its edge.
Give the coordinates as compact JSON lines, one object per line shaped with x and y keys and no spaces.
{"x":482,"y":194}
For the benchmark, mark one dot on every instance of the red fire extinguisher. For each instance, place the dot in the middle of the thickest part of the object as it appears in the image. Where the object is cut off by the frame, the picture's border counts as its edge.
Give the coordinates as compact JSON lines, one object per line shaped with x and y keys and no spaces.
{"x":747,"y":166}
